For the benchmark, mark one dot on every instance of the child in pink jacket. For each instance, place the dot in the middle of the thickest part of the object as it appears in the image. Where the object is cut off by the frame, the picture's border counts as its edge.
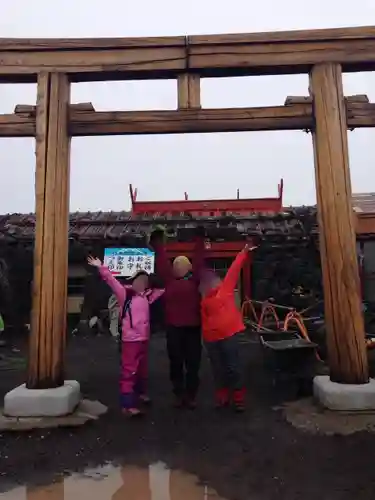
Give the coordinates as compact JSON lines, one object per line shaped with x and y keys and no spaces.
{"x":134,"y":303}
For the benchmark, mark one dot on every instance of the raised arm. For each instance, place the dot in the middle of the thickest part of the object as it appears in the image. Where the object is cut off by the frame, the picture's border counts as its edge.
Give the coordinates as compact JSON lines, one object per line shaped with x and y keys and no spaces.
{"x":230,"y":281}
{"x":116,"y":287}
{"x":163,"y":265}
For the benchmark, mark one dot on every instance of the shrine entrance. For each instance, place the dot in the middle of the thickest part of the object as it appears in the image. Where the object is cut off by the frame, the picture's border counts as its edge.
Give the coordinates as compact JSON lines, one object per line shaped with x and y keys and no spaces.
{"x":54,"y":64}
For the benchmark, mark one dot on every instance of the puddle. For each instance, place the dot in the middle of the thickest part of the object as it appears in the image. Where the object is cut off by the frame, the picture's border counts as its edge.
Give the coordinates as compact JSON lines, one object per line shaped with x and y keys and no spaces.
{"x":156,"y":482}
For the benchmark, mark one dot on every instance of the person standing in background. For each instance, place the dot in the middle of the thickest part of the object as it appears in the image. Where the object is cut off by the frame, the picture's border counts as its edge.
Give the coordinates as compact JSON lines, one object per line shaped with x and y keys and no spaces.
{"x":114,"y":315}
{"x":182,"y":315}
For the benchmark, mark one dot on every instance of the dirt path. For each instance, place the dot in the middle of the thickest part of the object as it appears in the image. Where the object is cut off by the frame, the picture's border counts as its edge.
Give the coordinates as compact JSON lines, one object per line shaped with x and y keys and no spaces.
{"x":253,"y":456}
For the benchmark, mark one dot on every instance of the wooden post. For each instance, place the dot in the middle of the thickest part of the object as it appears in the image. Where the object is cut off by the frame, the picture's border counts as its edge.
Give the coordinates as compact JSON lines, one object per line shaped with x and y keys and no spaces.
{"x":343,"y":313}
{"x":189,"y":92}
{"x":47,"y":341}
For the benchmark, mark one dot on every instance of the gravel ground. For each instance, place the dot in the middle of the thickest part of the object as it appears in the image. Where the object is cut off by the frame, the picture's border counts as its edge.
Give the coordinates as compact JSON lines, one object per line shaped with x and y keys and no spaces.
{"x":257,"y":455}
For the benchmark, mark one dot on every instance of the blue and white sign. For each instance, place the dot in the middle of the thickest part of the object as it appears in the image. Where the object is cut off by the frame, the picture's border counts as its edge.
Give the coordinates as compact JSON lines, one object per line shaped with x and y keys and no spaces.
{"x":127,"y":261}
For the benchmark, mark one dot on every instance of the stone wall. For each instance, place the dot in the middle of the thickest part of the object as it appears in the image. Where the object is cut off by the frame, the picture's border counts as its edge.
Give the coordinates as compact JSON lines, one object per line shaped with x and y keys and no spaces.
{"x":279,"y":268}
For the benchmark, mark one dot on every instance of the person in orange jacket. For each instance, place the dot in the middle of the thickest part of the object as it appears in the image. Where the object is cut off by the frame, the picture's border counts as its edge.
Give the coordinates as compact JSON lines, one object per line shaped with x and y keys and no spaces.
{"x":221,"y":322}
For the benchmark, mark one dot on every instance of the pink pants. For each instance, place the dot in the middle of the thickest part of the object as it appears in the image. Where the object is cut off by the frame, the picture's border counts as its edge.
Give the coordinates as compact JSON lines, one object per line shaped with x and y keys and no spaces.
{"x":134,"y":372}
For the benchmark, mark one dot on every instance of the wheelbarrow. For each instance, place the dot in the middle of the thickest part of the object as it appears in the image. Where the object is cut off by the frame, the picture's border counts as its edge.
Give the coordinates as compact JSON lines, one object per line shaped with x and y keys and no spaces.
{"x":290,"y":359}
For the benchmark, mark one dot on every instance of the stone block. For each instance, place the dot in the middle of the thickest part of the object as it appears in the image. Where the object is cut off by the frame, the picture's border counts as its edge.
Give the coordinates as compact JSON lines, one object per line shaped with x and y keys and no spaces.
{"x":24,"y":402}
{"x":86,"y":411}
{"x":344,"y":397}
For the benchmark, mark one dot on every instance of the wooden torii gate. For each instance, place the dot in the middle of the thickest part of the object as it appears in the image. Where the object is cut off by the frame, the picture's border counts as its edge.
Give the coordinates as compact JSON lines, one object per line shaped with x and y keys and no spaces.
{"x":54,"y":64}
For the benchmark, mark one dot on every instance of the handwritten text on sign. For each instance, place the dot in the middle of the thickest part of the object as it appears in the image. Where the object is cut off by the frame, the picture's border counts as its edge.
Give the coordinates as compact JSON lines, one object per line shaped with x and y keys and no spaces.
{"x":127,"y":261}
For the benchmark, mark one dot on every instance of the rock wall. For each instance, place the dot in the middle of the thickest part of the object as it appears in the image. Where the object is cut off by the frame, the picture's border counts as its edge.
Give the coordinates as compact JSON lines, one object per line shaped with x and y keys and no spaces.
{"x":279,"y":269}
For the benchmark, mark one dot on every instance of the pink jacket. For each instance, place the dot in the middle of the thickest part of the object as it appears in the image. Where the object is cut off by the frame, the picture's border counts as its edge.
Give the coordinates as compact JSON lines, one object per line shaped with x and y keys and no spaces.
{"x":140,"y":308}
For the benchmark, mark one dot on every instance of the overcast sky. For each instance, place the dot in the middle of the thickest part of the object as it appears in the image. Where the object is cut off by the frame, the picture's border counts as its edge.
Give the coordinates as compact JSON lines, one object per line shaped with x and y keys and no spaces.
{"x":163,"y":167}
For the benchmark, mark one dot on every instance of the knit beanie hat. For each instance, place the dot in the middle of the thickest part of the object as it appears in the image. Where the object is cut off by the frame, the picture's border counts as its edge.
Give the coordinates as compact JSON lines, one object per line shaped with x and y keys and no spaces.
{"x":208,"y":277}
{"x":182,"y":259}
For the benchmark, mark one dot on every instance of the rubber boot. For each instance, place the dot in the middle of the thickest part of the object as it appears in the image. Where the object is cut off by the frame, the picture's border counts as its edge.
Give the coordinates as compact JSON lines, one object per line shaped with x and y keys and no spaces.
{"x":239,"y":400}
{"x":221,"y":398}
{"x":190,"y":402}
{"x":132,"y":412}
{"x":144,"y":399}
{"x":178,"y":401}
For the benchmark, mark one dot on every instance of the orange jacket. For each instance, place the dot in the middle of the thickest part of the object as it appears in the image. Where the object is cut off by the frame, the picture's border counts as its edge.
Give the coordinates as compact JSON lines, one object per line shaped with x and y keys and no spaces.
{"x":220,"y":315}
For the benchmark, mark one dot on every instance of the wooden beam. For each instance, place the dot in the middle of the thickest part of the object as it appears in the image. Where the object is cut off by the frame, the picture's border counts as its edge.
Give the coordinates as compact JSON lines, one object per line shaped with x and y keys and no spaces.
{"x":189,"y":91}
{"x":47,"y":340}
{"x":62,"y":44}
{"x":83,"y":107}
{"x":93,"y":59}
{"x":343,"y":314}
{"x":22,"y":122}
{"x":360,"y":115}
{"x":168,"y":57}
{"x":17,"y":125}
{"x":84,"y":122}
{"x":298,"y":36}
{"x":358,"y":99}
{"x":294,"y":117}
{"x":91,"y":123}
{"x":298,"y":99}
{"x":278,"y":53}
{"x":25,"y":109}
{"x":191,"y":121}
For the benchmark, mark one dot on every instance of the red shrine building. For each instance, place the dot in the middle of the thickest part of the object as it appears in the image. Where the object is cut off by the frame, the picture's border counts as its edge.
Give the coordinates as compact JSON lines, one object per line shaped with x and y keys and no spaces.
{"x":288,"y":254}
{"x":229,"y":223}
{"x":220,"y":250}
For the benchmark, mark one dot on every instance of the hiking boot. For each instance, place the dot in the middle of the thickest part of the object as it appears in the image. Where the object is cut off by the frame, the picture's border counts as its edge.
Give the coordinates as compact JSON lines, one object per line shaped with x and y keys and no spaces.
{"x":145,"y":400}
{"x":178,"y":402}
{"x":221,"y":398}
{"x":190,"y":403}
{"x":239,"y":400}
{"x":132,"y":412}
{"x":239,"y":407}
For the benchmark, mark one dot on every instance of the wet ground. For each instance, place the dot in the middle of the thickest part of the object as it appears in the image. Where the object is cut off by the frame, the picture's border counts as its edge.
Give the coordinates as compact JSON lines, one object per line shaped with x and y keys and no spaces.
{"x":255,"y":456}
{"x":155,"y":482}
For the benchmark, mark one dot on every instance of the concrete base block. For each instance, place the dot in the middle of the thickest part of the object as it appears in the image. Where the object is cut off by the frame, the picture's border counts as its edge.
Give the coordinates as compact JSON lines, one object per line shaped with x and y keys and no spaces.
{"x":23,"y":402}
{"x":86,"y":411}
{"x":344,"y":397}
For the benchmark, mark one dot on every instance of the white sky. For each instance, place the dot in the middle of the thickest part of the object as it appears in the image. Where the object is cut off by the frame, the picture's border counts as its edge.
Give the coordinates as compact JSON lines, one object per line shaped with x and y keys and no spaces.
{"x":163,"y":167}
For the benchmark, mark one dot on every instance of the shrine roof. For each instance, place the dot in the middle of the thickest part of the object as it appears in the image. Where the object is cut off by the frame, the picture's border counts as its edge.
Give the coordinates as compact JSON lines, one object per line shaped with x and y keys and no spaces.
{"x":364,"y":203}
{"x":124,"y":225}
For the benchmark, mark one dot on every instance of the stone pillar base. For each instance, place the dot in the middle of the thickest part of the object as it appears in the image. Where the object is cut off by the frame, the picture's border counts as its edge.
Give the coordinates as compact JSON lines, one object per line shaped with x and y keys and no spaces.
{"x":24,"y":402}
{"x":344,"y":397}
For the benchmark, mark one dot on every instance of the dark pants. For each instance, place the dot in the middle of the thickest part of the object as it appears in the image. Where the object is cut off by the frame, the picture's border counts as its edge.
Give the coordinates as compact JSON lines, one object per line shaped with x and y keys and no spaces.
{"x":225,"y":361}
{"x":184,"y":347}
